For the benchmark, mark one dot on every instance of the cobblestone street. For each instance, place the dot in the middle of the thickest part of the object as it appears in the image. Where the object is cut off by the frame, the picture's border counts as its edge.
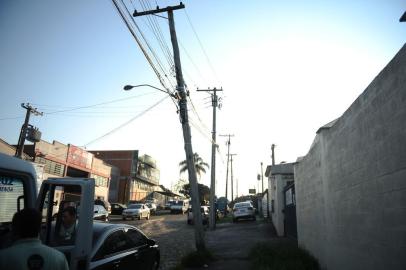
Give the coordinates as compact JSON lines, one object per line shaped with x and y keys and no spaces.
{"x":174,"y":236}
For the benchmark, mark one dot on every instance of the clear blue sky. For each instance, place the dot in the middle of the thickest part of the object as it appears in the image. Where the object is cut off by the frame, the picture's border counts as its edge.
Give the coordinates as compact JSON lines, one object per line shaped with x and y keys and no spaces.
{"x":286,"y":67}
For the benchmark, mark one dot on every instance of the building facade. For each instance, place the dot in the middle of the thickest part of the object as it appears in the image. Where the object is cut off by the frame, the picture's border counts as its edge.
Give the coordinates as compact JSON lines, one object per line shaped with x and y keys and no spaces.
{"x":139,"y":175}
{"x":279,"y":177}
{"x":60,"y":160}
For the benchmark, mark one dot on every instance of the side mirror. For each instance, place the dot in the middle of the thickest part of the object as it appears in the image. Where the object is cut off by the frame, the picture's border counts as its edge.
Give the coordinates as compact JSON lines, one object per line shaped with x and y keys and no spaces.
{"x":151,"y":242}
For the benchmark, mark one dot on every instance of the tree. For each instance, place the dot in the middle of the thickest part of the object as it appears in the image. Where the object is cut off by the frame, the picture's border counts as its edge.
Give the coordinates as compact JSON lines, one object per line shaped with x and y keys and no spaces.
{"x":200,"y":165}
{"x":204,"y":192}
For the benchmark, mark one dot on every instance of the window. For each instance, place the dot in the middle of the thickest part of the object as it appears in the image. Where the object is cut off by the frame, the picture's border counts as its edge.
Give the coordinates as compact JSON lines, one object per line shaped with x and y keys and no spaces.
{"x":115,"y":242}
{"x":51,"y":167}
{"x":137,"y":238}
{"x":11,"y":188}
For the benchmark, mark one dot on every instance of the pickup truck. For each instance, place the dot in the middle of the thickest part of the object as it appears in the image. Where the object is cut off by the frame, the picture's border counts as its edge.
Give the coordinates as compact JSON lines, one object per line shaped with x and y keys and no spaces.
{"x":18,"y":190}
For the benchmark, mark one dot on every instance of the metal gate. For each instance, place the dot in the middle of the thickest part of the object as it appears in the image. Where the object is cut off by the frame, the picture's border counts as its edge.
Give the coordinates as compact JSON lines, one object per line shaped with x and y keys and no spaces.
{"x":289,"y":221}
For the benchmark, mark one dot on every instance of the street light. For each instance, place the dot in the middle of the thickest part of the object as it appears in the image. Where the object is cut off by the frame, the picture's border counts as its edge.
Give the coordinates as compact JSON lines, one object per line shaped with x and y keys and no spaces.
{"x":129,"y":87}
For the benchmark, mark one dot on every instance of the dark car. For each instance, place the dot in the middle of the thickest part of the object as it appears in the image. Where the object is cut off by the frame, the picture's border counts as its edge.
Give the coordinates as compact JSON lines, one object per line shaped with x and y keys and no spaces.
{"x":117,"y":208}
{"x":121,"y":246}
{"x":100,"y":213}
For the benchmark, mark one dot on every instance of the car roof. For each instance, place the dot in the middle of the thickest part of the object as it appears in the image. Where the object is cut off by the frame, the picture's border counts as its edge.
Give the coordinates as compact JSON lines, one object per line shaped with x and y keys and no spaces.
{"x":100,"y":228}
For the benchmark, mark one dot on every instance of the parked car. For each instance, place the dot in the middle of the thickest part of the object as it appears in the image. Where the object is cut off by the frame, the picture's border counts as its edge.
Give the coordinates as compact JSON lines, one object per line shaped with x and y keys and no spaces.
{"x":243,"y":210}
{"x":103,"y":203}
{"x":121,"y":246}
{"x":117,"y":208}
{"x":100,"y":213}
{"x":137,"y":210}
{"x":152,"y":207}
{"x":180,"y":206}
{"x":204,"y":210}
{"x":168,"y":205}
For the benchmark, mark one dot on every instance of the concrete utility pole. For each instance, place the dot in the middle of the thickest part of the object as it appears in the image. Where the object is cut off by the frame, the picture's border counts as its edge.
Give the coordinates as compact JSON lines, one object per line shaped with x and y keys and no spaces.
{"x":273,"y":154}
{"x":262,"y":176}
{"x":214,"y":102}
{"x":198,"y":225}
{"x":232,"y":184}
{"x":228,"y":159}
{"x":23,"y":132}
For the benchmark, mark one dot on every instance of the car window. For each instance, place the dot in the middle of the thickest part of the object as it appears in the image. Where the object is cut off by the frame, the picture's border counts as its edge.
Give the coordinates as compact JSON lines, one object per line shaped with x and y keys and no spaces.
{"x":114,"y":243}
{"x":11,"y":188}
{"x":137,"y":238}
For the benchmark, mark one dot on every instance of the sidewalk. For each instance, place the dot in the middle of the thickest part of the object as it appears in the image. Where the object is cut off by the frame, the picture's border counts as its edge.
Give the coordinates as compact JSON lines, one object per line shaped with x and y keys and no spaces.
{"x":230,"y":243}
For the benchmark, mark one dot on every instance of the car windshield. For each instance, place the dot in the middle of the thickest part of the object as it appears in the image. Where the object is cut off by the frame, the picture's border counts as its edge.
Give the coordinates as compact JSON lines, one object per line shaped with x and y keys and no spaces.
{"x":134,"y":206}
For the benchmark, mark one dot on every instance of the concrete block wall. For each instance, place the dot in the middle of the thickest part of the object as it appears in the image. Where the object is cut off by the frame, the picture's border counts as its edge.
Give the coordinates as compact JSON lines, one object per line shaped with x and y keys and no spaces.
{"x":351,"y":186}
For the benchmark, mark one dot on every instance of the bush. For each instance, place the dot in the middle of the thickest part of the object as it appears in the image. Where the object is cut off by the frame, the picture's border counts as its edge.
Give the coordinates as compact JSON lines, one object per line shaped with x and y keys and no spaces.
{"x":197,"y":258}
{"x":282,"y":257}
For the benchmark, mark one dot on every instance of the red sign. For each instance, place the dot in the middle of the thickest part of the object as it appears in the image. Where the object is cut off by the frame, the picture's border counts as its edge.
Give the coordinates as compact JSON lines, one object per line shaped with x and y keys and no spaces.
{"x":80,"y":157}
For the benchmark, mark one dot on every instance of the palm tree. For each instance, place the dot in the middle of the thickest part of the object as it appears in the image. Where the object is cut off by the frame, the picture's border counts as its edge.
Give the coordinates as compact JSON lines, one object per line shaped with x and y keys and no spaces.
{"x":200,"y":165}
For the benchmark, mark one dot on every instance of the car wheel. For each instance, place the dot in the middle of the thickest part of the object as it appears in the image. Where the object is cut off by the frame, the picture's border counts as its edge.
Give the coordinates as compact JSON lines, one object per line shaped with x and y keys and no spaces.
{"x":148,"y":216}
{"x":254,"y":218}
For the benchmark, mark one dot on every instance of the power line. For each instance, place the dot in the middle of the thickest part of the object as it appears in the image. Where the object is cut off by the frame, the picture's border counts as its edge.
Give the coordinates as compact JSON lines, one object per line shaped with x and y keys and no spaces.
{"x":127,"y":122}
{"x":201,"y":46}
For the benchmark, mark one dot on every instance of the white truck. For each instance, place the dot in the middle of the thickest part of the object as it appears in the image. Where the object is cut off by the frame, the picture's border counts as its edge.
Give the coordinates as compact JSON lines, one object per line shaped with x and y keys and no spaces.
{"x":18,"y":190}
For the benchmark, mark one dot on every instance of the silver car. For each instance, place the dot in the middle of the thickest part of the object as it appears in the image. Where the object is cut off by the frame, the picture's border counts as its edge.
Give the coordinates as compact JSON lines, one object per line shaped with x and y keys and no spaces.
{"x":243,"y":210}
{"x":136,"y":210}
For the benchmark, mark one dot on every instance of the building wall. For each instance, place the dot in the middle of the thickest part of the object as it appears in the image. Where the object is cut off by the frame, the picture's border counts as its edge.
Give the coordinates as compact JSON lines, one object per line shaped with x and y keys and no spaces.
{"x":351,"y":186}
{"x":277,"y":182}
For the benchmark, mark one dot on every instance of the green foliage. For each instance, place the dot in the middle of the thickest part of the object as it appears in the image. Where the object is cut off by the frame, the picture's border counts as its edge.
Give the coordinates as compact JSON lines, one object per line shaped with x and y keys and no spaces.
{"x":282,"y":256}
{"x":200,"y":165}
{"x":204,"y":192}
{"x":197,"y":258}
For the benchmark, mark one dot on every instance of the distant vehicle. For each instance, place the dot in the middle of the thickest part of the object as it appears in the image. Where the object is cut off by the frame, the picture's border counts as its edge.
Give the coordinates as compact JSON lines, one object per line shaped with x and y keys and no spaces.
{"x":103,"y":203}
{"x":222,"y":205}
{"x":137,"y":210}
{"x":121,"y":246}
{"x":168,"y":204}
{"x":243,"y":210}
{"x":100,"y":213}
{"x":117,"y":208}
{"x":152,"y":207}
{"x":204,"y":210}
{"x":180,"y":206}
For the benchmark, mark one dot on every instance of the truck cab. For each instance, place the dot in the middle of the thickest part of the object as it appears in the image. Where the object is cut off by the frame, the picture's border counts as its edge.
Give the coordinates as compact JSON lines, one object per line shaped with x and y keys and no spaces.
{"x":18,"y":190}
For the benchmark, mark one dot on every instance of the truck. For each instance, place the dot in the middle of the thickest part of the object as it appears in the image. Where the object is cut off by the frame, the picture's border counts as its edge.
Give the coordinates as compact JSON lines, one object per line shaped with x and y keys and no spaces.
{"x":180,"y":206}
{"x":18,"y":190}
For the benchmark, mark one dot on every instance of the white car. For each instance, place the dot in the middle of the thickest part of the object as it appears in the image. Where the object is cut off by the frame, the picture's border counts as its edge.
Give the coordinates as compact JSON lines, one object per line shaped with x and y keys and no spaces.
{"x":152,"y":207}
{"x":180,"y":206}
{"x":243,"y":210}
{"x":136,"y":210}
{"x":204,"y":210}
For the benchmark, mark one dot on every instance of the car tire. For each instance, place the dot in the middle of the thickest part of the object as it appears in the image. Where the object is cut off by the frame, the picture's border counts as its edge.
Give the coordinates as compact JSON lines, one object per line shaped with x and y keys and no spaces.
{"x":234,"y":220}
{"x":254,"y":218}
{"x":124,"y":218}
{"x":139,"y":217}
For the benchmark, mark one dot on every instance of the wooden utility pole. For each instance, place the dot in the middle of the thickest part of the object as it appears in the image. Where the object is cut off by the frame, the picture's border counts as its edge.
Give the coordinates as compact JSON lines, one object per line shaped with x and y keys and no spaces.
{"x":23,"y":132}
{"x":232,"y":184}
{"x":228,"y":159}
{"x":214,"y":102}
{"x":180,"y":87}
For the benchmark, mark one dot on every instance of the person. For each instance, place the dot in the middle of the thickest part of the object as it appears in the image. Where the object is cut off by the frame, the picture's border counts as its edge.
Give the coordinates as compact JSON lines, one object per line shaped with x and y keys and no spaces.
{"x":66,"y":232}
{"x":27,"y":252}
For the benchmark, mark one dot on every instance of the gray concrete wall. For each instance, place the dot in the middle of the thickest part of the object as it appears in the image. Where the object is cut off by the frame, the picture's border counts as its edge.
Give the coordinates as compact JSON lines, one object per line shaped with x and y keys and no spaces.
{"x":351,"y":186}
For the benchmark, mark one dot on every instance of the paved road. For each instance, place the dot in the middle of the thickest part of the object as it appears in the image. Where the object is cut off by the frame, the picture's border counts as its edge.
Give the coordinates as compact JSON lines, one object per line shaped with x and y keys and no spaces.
{"x":174,"y":236}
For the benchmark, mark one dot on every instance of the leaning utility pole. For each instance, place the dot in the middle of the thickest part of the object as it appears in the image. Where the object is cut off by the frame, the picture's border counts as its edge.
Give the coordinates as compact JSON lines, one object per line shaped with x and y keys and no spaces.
{"x":214,"y":102}
{"x":180,"y":87}
{"x":228,"y":159}
{"x":23,"y":132}
{"x":232,"y":184}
